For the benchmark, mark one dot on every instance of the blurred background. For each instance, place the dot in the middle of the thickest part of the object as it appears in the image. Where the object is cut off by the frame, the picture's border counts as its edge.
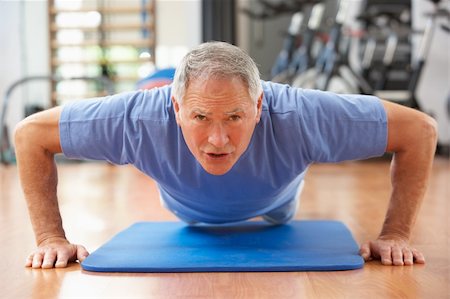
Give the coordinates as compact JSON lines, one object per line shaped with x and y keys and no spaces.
{"x":56,"y":51}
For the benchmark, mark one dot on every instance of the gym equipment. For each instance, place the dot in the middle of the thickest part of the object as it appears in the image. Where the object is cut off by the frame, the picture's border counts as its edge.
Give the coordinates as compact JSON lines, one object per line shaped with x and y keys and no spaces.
{"x":302,"y":57}
{"x":386,"y":26}
{"x":6,"y":148}
{"x":419,"y":62}
{"x":285,"y":56}
{"x":331,"y":70}
{"x":386,"y":67}
{"x":241,"y":247}
{"x":275,"y":9}
{"x":296,"y":48}
{"x":157,"y":79}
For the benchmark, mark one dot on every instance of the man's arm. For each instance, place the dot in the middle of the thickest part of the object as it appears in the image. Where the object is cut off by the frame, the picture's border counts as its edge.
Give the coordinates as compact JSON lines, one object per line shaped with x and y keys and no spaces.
{"x":412,"y":137}
{"x":36,"y":142}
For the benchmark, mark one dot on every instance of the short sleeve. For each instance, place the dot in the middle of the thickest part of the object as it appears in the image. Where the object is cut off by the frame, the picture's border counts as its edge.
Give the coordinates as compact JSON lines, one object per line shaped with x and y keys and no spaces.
{"x":341,"y":127}
{"x":97,"y":128}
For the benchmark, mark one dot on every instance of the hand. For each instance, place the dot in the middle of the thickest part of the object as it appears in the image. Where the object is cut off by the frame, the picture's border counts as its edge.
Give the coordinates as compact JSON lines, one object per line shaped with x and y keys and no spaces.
{"x":391,"y":251}
{"x":56,"y":252}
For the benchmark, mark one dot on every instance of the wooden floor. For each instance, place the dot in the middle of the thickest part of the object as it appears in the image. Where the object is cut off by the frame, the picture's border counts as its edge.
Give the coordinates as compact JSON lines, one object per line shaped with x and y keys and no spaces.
{"x":98,"y":200}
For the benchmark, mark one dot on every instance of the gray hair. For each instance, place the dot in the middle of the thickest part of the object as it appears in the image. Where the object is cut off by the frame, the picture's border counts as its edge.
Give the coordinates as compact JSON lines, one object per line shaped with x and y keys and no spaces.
{"x":216,"y":60}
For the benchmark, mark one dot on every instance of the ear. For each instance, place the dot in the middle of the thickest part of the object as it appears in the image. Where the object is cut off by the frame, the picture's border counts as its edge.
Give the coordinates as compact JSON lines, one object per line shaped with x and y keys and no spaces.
{"x":176,"y":109}
{"x":259,"y":107}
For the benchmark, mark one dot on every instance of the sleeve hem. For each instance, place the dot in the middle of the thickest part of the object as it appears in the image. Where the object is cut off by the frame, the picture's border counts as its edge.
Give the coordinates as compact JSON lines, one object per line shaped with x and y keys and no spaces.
{"x":64,"y":132}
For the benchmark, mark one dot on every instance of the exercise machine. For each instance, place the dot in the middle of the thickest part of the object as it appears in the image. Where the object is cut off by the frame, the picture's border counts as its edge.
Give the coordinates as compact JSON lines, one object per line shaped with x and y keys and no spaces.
{"x":6,"y":146}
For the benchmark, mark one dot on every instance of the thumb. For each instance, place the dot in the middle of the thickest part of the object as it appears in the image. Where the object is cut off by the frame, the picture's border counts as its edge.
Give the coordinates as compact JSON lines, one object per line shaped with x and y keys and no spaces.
{"x":364,"y":251}
{"x":82,"y":253}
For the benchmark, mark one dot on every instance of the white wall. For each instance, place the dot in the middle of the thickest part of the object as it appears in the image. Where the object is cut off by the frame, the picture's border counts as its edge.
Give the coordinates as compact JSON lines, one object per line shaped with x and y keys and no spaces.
{"x":23,"y":52}
{"x":262,"y":39}
{"x":178,"y":29}
{"x":434,"y":86}
{"x":10,"y":33}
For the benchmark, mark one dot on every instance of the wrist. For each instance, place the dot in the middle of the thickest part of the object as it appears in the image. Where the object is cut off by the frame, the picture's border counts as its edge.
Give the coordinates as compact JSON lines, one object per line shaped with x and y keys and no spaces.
{"x":393,"y":233}
{"x":49,"y":239}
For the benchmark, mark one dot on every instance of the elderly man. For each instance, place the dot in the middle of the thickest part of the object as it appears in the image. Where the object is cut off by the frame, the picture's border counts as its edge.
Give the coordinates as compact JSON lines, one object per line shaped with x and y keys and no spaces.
{"x":225,"y":147}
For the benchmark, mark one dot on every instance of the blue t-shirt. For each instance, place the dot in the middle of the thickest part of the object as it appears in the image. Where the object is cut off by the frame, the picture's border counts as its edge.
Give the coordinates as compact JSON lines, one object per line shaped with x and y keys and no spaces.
{"x":297,"y":127}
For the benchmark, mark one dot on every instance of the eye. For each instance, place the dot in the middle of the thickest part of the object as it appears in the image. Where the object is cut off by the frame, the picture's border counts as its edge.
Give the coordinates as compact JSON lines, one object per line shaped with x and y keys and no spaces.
{"x":200,"y":117}
{"x":235,"y":117}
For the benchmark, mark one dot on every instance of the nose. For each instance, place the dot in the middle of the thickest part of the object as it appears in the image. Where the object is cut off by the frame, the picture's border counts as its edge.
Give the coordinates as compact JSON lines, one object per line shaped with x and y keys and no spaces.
{"x":218,"y":136}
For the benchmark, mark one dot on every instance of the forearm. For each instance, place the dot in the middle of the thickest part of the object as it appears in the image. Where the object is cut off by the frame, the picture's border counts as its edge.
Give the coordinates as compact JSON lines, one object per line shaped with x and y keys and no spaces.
{"x":38,"y":176}
{"x":410,"y":174}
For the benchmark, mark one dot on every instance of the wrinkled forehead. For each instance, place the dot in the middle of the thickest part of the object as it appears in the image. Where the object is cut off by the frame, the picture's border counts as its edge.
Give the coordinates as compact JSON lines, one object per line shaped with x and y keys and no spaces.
{"x":204,"y":77}
{"x":226,"y":93}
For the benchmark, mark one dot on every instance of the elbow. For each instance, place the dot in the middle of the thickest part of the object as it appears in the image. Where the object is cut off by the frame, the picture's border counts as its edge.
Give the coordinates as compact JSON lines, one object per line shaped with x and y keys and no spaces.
{"x":432,"y":129}
{"x":22,"y":133}
{"x":429,"y":129}
{"x":37,"y":134}
{"x":27,"y":132}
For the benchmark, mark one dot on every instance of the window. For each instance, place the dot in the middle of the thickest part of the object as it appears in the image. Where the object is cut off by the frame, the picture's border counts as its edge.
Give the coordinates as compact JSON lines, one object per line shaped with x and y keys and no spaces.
{"x":95,"y":39}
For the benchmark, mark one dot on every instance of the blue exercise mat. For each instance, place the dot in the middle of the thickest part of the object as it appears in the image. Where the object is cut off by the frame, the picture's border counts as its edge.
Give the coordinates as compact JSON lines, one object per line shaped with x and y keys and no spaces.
{"x":243,"y":247}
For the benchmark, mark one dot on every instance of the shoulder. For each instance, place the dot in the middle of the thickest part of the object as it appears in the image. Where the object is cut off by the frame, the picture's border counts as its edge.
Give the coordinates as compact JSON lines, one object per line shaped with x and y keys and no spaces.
{"x":138,"y":104}
{"x":280,"y":98}
{"x":284,"y":98}
{"x":155,"y":104}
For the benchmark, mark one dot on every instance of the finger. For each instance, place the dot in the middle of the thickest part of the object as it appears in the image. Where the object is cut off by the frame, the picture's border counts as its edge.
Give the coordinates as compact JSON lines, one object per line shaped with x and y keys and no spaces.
{"x":418,"y":256}
{"x":385,"y":255}
{"x":29,"y":260}
{"x":49,"y":259}
{"x":82,"y":253}
{"x":62,"y":258}
{"x":61,"y":261}
{"x":407,"y":256}
{"x":364,"y":251}
{"x":397,"y":256}
{"x":37,"y":260}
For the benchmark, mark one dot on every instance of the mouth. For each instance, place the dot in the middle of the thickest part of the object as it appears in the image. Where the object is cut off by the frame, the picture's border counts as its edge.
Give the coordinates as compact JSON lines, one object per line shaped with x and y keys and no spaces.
{"x":217,"y":156}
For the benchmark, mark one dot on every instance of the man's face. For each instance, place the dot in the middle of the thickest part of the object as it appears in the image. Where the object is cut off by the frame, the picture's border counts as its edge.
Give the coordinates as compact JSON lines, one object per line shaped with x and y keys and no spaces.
{"x":217,"y":118}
